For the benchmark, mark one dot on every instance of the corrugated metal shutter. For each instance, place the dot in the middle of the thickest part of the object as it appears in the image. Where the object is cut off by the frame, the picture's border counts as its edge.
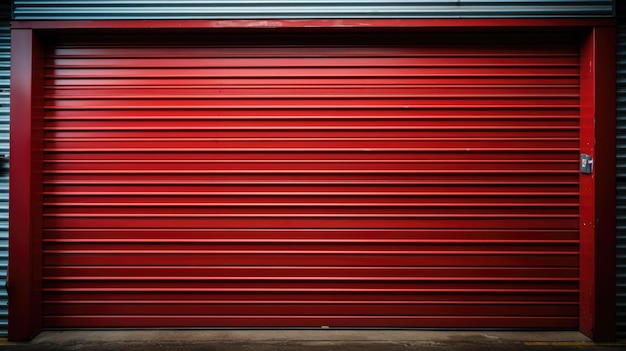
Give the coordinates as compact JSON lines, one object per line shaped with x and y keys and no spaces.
{"x":352,"y":182}
{"x":4,"y":171}
{"x":228,"y":9}
{"x":621,"y":182}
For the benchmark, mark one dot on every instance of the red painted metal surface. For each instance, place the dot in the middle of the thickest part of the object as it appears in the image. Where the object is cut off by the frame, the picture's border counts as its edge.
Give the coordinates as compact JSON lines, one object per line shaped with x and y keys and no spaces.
{"x":597,"y":228}
{"x":267,"y":182}
{"x":25,"y":216}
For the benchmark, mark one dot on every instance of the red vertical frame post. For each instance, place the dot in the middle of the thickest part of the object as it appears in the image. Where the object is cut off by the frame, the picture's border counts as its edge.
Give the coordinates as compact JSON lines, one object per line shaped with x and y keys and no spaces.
{"x":25,"y":194}
{"x":597,"y":190}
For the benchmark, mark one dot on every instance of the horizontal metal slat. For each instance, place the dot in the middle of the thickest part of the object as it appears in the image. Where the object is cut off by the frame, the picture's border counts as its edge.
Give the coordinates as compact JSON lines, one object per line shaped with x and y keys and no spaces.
{"x":100,"y":321}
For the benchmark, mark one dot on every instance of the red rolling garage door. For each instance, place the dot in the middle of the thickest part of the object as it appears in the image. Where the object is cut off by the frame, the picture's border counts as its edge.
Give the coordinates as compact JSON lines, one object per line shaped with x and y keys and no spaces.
{"x":303,"y":181}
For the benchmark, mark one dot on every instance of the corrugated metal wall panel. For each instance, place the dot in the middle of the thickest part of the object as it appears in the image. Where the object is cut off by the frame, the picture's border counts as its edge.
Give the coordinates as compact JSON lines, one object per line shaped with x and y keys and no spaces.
{"x":621,"y":182}
{"x":232,"y":9}
{"x":346,"y":182}
{"x":4,"y":171}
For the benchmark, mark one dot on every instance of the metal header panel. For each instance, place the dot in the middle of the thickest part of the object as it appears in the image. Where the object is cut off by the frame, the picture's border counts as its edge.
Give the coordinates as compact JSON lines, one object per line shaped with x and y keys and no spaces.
{"x":241,"y":9}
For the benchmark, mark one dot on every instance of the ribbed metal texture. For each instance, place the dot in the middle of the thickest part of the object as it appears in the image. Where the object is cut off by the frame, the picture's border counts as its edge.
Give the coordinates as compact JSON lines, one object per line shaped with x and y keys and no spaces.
{"x":4,"y":174}
{"x":621,"y":182}
{"x":342,"y":183}
{"x":221,"y":9}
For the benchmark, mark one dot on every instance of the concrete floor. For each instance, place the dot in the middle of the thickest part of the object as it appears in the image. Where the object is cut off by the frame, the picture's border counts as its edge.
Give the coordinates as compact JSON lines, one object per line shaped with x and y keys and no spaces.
{"x":307,"y":340}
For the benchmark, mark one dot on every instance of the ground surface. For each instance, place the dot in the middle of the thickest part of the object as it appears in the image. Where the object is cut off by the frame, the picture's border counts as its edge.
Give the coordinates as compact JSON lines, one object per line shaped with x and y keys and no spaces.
{"x":307,"y":340}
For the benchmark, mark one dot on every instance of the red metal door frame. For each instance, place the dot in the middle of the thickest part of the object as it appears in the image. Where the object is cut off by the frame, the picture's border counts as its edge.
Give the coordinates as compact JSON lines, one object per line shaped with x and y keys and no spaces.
{"x":597,"y":138}
{"x":597,"y":191}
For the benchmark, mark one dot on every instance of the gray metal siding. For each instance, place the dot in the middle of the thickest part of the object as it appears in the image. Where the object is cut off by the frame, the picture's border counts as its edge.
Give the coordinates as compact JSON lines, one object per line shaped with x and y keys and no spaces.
{"x":4,"y":172}
{"x":233,"y":9}
{"x":621,"y":182}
